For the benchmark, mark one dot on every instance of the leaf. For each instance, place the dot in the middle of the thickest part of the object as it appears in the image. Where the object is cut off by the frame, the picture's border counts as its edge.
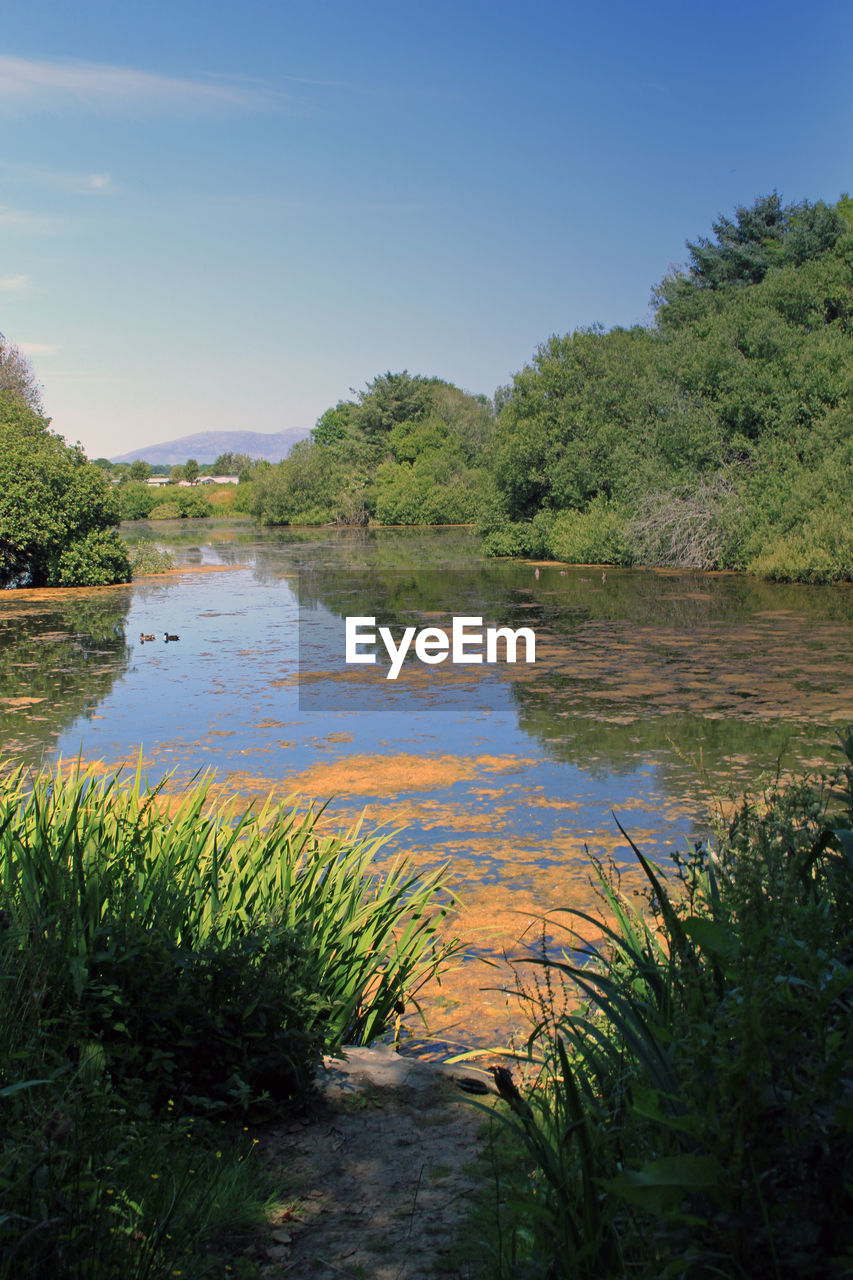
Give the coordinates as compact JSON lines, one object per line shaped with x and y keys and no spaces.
{"x":713,"y":937}
{"x":661,"y":1184}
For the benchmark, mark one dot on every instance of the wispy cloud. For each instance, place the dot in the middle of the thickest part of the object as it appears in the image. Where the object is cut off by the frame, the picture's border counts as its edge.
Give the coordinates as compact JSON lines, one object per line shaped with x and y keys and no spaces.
{"x":38,"y":348}
{"x":93,"y":85}
{"x":24,"y":220}
{"x":65,"y":180}
{"x":14,"y":284}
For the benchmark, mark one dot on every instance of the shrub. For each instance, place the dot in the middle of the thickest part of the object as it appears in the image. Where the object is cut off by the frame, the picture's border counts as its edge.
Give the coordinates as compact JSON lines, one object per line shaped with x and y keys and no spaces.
{"x":136,"y":501}
{"x":193,"y":505}
{"x":821,"y":550}
{"x":596,"y":535}
{"x":148,"y":557}
{"x":165,"y":511}
{"x":684,"y":528}
{"x":142,"y":912}
{"x":98,"y":560}
{"x":694,"y":1115}
{"x":515,"y":538}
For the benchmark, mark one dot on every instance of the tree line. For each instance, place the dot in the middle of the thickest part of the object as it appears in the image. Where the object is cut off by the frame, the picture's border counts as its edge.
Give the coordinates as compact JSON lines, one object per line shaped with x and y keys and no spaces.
{"x":58,"y":513}
{"x":716,"y":437}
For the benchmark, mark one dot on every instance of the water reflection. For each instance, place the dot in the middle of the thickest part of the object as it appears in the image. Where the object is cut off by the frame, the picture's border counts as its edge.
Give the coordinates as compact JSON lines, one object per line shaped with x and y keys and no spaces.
{"x":649,"y":691}
{"x":61,"y":653}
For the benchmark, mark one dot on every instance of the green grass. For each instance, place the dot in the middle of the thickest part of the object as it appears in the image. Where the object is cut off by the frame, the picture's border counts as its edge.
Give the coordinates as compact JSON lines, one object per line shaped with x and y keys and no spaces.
{"x":168,"y":969}
{"x":693,"y":1111}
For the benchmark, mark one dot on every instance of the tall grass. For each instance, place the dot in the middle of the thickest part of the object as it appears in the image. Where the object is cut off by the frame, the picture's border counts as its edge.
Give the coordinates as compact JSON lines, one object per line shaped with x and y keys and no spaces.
{"x":163,"y":962}
{"x":693,"y":1111}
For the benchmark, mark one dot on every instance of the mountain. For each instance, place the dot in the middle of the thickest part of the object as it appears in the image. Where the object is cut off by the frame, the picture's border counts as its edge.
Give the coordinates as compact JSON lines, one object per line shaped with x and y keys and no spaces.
{"x":206,"y":446}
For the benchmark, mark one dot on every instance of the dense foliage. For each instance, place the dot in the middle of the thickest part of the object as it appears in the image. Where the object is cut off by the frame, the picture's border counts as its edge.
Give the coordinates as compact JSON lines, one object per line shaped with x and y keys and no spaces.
{"x":162,"y":963}
{"x":694,"y":1115}
{"x":720,"y":436}
{"x":57,"y":512}
{"x":716,"y":437}
{"x":407,"y":450}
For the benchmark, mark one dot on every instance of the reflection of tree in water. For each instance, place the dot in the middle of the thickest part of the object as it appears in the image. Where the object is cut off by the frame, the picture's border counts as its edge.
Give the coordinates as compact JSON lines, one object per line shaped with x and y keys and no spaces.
{"x":689,"y":752}
{"x":636,"y":632}
{"x":58,"y":660}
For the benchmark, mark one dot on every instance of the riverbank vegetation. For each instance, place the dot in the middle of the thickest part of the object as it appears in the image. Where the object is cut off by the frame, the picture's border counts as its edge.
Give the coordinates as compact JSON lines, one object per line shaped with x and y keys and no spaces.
{"x":715,"y":437}
{"x":693,"y":1109}
{"x":57,"y":512}
{"x":170,"y":971}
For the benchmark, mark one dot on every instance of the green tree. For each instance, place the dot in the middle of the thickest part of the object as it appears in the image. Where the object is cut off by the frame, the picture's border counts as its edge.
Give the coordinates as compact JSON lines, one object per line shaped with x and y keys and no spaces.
{"x":231,"y":464}
{"x":139,"y":470}
{"x":191,"y":470}
{"x":719,"y":437}
{"x":51,"y":500}
{"x":136,"y":500}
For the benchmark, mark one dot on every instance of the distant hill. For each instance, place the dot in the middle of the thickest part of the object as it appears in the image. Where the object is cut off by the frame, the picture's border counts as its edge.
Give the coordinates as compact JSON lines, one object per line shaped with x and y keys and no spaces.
{"x":206,"y":446}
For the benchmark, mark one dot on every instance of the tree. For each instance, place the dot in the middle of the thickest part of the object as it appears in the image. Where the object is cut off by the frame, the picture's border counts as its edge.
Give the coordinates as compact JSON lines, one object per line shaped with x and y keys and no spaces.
{"x":766,"y":236}
{"x":231,"y":464}
{"x":139,"y":470}
{"x":52,"y":504}
{"x":191,"y":470}
{"x":17,"y":377}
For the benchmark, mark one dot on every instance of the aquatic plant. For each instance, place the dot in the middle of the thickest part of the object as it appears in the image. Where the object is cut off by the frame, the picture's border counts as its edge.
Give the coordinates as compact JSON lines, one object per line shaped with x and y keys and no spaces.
{"x":693,"y":1108}
{"x":148,"y":557}
{"x":164,"y":957}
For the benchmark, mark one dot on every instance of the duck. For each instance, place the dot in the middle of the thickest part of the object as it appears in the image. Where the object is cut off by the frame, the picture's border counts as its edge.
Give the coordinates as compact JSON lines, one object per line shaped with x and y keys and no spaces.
{"x":167,"y":637}
{"x":143,"y":637}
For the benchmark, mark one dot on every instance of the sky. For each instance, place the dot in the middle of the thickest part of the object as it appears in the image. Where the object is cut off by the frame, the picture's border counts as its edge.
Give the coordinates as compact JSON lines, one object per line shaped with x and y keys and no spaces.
{"x":222,"y":216}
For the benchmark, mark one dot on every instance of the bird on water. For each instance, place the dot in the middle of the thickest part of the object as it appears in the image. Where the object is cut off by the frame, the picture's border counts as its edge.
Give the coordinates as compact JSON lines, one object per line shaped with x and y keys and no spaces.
{"x":167,"y":637}
{"x":143,"y":637}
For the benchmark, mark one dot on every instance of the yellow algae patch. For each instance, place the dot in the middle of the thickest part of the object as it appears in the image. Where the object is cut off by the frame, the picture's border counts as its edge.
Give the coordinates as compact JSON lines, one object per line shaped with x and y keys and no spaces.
{"x":369,"y":775}
{"x":126,"y":766}
{"x":490,"y":998}
{"x":194,"y":568}
{"x":20,"y":702}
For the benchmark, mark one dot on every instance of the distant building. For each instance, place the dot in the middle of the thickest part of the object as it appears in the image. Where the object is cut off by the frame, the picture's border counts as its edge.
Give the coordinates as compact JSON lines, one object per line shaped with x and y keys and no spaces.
{"x":157,"y":481}
{"x":219,"y":480}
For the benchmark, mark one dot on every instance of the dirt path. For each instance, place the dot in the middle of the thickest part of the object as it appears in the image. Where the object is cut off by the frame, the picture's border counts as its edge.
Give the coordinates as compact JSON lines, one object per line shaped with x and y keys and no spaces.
{"x":375,"y":1185}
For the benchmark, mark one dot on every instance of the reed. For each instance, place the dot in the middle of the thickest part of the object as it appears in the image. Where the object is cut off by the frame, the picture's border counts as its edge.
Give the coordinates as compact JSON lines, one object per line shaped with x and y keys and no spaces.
{"x":83,"y":858}
{"x":691,"y":1113}
{"x":165,"y":964}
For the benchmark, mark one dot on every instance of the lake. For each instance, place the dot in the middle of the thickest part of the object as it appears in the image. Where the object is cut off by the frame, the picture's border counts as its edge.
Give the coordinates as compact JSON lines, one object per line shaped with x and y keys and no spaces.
{"x":651,"y":693}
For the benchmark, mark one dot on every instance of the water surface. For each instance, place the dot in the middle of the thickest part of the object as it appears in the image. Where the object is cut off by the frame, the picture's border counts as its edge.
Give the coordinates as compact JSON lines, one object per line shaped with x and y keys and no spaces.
{"x":650,"y":692}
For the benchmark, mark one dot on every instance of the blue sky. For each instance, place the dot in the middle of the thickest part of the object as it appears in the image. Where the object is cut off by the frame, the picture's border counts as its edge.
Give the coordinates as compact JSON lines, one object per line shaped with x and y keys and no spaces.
{"x":220,"y":217}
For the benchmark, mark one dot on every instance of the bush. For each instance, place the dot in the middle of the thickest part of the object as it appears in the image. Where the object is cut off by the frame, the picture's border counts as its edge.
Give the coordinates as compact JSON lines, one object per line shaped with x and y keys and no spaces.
{"x":51,"y":498}
{"x":136,"y":501}
{"x":596,"y":535}
{"x":514,"y":538}
{"x":165,"y":511}
{"x":98,"y":560}
{"x":193,"y":505}
{"x":161,"y":962}
{"x":695,"y":1115}
{"x":142,"y":912}
{"x":685,"y":528}
{"x":821,"y":550}
{"x":221,"y":1025}
{"x":147,"y":557}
